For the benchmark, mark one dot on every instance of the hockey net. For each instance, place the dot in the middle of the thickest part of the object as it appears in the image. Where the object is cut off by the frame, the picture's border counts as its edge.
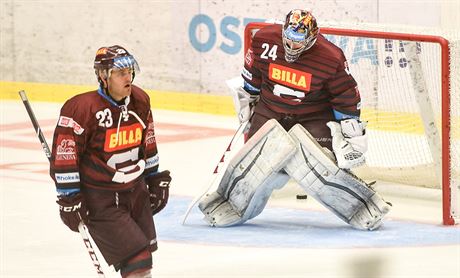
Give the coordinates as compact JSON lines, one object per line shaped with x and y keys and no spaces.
{"x":409,"y":82}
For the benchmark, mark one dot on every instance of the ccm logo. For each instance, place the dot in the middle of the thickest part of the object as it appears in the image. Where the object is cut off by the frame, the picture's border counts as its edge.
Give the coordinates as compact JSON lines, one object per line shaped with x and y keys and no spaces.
{"x":70,"y":208}
{"x":164,"y":184}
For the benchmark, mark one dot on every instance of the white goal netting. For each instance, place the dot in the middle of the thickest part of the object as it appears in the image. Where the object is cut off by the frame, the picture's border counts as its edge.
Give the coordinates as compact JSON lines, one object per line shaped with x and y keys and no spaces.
{"x":409,"y":80}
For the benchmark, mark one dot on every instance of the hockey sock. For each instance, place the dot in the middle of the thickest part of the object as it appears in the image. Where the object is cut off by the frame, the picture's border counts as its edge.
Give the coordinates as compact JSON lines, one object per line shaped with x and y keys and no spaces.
{"x":142,"y":262}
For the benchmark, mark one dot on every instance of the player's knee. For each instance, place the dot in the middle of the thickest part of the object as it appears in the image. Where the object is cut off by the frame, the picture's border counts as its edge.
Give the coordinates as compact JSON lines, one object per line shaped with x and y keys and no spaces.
{"x":137,"y":266}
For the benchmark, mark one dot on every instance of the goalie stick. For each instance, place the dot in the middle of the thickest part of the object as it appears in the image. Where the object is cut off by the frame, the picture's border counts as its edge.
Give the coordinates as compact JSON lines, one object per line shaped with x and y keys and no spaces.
{"x":218,"y":174}
{"x":81,"y":227}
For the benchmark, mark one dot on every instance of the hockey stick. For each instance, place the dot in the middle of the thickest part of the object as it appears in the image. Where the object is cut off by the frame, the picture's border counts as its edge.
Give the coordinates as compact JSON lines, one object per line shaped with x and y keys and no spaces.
{"x":81,"y":227}
{"x":217,"y":174}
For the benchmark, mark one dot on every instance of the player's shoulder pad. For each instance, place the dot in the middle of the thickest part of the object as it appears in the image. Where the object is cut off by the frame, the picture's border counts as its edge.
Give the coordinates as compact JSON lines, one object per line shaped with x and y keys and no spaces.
{"x":268,"y":33}
{"x":78,"y":105}
{"x":329,"y":49}
{"x":140,"y":96}
{"x":76,"y":112}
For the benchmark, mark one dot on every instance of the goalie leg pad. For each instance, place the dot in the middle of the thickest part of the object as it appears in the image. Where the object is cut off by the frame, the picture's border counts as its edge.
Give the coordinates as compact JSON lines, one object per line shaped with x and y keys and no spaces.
{"x":344,"y":194}
{"x":219,"y":212}
{"x":250,"y":178}
{"x":370,"y":217}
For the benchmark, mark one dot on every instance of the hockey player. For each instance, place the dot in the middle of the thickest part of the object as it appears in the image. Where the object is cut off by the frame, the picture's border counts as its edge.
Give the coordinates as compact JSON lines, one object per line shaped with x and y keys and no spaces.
{"x":105,"y":165}
{"x":303,"y":104}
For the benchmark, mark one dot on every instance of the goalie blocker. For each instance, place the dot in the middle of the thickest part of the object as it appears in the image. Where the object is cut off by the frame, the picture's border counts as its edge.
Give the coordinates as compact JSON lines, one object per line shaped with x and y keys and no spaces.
{"x":258,"y":169}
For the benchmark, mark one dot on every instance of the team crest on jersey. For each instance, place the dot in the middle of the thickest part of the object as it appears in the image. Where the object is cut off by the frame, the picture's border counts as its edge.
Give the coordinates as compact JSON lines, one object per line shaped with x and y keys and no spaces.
{"x":290,"y":77}
{"x":66,"y":153}
{"x":128,"y":136}
{"x":69,"y":122}
{"x":249,"y":58}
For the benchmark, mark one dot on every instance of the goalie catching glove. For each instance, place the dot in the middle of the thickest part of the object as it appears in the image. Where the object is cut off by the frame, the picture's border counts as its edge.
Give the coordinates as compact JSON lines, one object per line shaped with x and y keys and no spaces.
{"x":72,"y":210}
{"x":158,"y":185}
{"x":349,"y":142}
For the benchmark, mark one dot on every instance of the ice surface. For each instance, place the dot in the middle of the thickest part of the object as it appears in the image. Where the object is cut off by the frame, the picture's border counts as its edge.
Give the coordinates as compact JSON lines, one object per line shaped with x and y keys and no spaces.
{"x":290,"y":238}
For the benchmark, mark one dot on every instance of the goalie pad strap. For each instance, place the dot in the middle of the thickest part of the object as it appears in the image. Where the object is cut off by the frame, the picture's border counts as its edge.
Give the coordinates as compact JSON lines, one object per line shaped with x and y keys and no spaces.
{"x":333,"y":184}
{"x":246,"y":171}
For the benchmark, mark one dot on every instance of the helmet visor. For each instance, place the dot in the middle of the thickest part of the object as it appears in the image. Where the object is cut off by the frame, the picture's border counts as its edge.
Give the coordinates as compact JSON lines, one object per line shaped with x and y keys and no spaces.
{"x":126,"y":62}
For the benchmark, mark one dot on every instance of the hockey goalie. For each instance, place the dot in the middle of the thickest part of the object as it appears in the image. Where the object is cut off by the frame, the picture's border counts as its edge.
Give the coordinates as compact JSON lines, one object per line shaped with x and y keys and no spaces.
{"x":303,"y":108}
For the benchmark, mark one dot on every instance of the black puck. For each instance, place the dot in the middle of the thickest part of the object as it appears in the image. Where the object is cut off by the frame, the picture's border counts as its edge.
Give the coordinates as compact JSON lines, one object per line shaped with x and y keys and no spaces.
{"x":302,"y":197}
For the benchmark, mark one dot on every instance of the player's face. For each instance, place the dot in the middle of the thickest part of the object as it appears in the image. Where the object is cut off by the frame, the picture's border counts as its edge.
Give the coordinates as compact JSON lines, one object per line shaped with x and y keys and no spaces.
{"x":119,"y":83}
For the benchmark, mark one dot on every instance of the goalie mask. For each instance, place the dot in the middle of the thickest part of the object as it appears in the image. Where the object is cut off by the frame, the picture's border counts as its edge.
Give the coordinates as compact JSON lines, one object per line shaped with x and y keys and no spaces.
{"x":113,"y":57}
{"x":299,"y":33}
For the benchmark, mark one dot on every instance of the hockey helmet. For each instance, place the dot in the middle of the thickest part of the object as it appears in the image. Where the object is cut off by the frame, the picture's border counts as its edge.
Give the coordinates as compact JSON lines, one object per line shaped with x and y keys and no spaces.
{"x":114,"y":57}
{"x":300,"y":31}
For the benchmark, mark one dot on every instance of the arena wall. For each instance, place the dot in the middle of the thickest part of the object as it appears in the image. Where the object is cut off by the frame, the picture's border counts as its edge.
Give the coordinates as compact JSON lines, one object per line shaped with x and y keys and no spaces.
{"x":186,"y":49}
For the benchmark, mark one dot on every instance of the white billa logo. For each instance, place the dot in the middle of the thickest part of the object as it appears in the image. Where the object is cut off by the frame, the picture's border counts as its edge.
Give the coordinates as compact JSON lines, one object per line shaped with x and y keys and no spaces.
{"x":121,"y":51}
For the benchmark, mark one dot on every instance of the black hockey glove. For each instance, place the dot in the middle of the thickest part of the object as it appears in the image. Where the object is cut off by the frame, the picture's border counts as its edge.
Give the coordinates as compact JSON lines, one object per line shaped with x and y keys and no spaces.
{"x":159,"y":190}
{"x":72,"y":210}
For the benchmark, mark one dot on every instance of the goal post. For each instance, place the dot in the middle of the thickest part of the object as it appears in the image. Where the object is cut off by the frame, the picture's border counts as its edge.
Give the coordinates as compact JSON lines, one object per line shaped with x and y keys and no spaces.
{"x":409,"y":81}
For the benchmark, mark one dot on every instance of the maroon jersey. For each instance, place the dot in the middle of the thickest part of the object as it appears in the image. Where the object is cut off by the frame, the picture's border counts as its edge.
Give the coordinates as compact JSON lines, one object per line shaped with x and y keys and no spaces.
{"x":317,"y":81}
{"x":100,"y":144}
